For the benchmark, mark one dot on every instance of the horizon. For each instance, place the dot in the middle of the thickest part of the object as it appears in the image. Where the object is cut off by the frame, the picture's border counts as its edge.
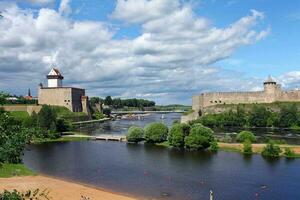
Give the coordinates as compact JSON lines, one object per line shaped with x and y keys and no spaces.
{"x":111,"y":48}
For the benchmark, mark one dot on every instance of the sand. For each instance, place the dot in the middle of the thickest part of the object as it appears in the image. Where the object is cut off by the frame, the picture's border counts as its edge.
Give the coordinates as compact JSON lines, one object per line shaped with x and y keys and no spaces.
{"x":58,"y":189}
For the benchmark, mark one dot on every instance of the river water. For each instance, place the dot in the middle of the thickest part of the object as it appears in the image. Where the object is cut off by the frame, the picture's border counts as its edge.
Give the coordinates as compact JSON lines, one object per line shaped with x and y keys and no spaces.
{"x":153,"y":172}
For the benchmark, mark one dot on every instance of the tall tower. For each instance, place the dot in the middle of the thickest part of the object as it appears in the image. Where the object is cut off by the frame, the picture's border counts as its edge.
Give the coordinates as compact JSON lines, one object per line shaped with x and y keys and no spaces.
{"x":54,"y":78}
{"x":271,"y":90}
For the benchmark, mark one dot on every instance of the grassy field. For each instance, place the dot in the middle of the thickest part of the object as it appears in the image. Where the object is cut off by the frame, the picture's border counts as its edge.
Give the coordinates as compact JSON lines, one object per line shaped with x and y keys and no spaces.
{"x":20,"y":115}
{"x":10,"y":170}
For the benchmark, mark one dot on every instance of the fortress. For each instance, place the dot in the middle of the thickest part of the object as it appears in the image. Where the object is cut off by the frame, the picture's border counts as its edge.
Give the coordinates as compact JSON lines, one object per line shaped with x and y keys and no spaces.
{"x":55,"y":94}
{"x":272,"y":93}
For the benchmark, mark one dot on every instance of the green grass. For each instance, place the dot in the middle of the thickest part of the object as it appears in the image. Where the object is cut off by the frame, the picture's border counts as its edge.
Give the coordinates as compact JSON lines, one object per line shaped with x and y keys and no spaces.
{"x":164,"y":144}
{"x":61,"y":139}
{"x":10,"y":170}
{"x":19,"y":115}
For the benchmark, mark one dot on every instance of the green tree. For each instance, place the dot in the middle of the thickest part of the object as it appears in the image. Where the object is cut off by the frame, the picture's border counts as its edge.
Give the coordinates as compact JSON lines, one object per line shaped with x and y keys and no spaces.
{"x":259,"y":116}
{"x":289,"y":153}
{"x":108,"y":101}
{"x":156,"y":132}
{"x":176,"y":136}
{"x":200,"y":137}
{"x":246,"y":135}
{"x":214,"y":146}
{"x":47,"y":118}
{"x":135,"y":134}
{"x":288,"y":116}
{"x":13,"y":138}
{"x":271,"y":150}
{"x":247,"y":147}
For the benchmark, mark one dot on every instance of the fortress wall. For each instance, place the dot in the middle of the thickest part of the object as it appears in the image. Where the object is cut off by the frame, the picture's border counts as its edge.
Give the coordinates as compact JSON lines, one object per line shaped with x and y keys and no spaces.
{"x":292,"y":95}
{"x":25,"y":108}
{"x":56,"y":97}
{"x":210,"y":99}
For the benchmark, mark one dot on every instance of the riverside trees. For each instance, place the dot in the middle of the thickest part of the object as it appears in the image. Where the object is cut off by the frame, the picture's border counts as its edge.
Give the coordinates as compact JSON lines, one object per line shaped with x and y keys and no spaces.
{"x":258,"y":116}
{"x":180,"y":135}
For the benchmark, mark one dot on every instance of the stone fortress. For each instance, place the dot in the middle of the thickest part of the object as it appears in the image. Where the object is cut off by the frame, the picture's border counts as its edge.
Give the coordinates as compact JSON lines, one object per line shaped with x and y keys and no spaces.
{"x":58,"y":95}
{"x":272,"y":93}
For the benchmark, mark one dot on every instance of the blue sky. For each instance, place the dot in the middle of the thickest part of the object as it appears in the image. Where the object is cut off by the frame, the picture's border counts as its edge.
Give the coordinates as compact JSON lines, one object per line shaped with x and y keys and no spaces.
{"x":163,"y":50}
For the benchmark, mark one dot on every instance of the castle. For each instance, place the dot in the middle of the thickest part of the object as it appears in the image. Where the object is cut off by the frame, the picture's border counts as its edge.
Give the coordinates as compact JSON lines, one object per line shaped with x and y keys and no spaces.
{"x":272,"y":93}
{"x":57,"y":95}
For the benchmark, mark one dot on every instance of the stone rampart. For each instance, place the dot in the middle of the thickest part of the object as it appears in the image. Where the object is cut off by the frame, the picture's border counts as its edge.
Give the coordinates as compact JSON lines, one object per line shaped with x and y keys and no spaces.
{"x":25,"y":108}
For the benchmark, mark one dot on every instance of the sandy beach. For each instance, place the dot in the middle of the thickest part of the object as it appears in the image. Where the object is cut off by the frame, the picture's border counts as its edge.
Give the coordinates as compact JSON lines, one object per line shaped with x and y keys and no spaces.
{"x":58,"y":189}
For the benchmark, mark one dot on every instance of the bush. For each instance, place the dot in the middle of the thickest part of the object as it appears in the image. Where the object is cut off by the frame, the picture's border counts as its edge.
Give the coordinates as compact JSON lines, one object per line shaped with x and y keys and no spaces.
{"x":135,"y":134}
{"x":271,"y":150}
{"x":156,"y":132}
{"x":247,"y":147}
{"x":176,"y":136}
{"x":30,"y":194}
{"x":289,"y":153}
{"x":200,"y":137}
{"x":13,"y":139}
{"x":246,"y":135}
{"x":214,"y":146}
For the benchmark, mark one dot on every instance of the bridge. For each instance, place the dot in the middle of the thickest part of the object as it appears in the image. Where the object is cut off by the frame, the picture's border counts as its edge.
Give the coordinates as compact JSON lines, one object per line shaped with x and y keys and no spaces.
{"x":104,"y":137}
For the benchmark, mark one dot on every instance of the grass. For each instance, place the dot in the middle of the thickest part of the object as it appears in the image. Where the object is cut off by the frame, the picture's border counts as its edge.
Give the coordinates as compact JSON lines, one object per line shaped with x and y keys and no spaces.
{"x":10,"y":170}
{"x":164,"y":144}
{"x":19,"y":115}
{"x":61,"y":139}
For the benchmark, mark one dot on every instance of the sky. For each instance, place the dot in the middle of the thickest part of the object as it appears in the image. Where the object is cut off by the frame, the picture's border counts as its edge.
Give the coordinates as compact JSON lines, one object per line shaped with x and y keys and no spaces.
{"x":161,"y":50}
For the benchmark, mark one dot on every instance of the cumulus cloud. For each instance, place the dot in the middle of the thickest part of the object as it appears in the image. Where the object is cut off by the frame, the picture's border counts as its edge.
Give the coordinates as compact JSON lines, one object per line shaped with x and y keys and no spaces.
{"x":291,"y":79}
{"x":173,"y":58}
{"x":133,"y":11}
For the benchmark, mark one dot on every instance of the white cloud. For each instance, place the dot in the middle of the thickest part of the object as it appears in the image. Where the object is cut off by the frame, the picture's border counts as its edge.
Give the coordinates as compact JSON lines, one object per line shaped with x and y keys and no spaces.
{"x":137,"y":11}
{"x":64,"y":7}
{"x":290,"y":79}
{"x":167,"y":62}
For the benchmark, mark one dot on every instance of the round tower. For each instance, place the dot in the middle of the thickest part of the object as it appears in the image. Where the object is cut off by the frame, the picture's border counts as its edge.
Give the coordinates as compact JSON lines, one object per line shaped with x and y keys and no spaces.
{"x":270,"y":86}
{"x":54,"y":78}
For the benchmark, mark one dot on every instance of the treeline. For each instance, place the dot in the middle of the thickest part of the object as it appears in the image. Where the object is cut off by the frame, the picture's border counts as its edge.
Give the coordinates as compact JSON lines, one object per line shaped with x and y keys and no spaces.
{"x":117,"y":103}
{"x":258,"y":116}
{"x":19,"y":99}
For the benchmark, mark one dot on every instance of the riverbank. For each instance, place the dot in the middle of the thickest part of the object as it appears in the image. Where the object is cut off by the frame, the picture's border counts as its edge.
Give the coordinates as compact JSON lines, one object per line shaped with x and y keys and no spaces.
{"x":256,"y":148}
{"x":58,"y":189}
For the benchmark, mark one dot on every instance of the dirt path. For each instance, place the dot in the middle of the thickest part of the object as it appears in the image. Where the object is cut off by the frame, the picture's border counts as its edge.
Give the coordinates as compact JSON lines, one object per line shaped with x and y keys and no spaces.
{"x":59,"y":190}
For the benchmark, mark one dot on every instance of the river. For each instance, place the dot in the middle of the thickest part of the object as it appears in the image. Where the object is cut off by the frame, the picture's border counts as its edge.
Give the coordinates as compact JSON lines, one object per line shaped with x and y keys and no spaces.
{"x":153,"y":172}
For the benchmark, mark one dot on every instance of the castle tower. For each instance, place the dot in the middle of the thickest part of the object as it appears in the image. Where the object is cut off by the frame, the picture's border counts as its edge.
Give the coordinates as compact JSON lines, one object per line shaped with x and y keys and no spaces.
{"x":54,"y":78}
{"x":271,"y":90}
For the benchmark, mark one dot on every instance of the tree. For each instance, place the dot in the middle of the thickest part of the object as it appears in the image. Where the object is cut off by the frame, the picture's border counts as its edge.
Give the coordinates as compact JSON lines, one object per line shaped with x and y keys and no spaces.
{"x":289,"y":153}
{"x":247,"y":147}
{"x":13,"y":138}
{"x":246,"y":135}
{"x":214,"y":146}
{"x":47,"y":118}
{"x":259,"y":116}
{"x":200,"y":137}
{"x":271,"y":150}
{"x":135,"y":134}
{"x":108,"y":101}
{"x":156,"y":132}
{"x":288,"y":116}
{"x":176,"y":136}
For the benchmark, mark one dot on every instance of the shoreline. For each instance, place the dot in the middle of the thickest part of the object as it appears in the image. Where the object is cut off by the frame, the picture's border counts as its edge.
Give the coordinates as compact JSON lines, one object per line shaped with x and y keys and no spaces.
{"x":61,"y":188}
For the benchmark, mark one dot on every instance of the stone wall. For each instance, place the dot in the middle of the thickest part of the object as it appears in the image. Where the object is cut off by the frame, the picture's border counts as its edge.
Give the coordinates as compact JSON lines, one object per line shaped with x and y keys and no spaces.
{"x":25,"y":108}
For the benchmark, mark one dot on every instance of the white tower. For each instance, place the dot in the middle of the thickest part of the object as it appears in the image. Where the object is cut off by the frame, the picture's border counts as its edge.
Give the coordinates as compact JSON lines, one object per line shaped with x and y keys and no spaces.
{"x":54,"y":78}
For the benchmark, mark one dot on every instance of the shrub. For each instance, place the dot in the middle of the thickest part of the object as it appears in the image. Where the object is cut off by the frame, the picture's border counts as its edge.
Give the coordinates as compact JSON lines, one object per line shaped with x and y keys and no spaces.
{"x":200,"y":137}
{"x":289,"y":153}
{"x":176,"y":136}
{"x":246,"y":135}
{"x":135,"y":134}
{"x":30,"y":194}
{"x":247,"y":147}
{"x":271,"y":150}
{"x":214,"y":146}
{"x":13,"y":139}
{"x":156,"y":132}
